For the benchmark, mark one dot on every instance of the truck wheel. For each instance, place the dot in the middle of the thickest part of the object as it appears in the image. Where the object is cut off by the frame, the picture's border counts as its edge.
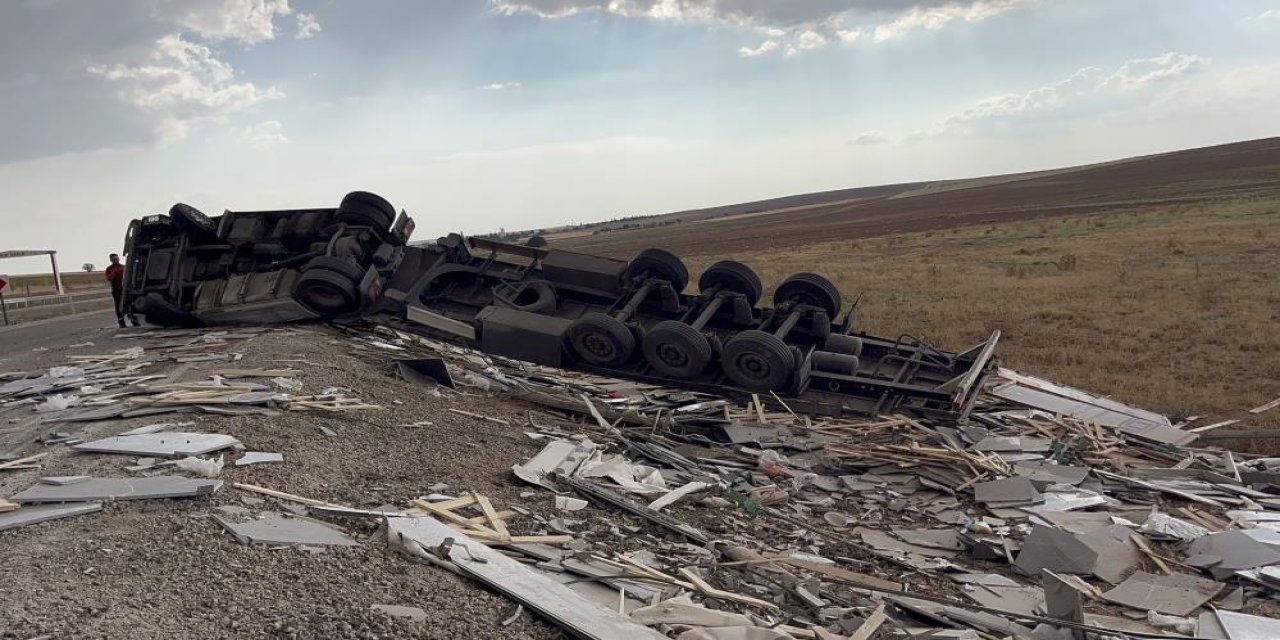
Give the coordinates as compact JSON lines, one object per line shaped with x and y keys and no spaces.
{"x":732,"y":276}
{"x":676,"y":349}
{"x":837,"y":343}
{"x":329,"y":286}
{"x":365,"y":209}
{"x":659,"y":263}
{"x":158,"y":310}
{"x":841,"y":363}
{"x":601,"y":340}
{"x":811,"y":289}
{"x":192,"y":220}
{"x":758,"y":361}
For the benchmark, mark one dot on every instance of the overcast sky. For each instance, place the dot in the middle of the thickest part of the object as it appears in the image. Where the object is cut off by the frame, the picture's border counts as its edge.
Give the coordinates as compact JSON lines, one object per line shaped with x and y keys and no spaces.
{"x":481,"y":114}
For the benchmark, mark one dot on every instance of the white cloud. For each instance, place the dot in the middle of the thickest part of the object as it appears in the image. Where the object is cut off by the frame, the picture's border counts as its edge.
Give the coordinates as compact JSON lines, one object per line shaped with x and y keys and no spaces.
{"x":183,"y":84}
{"x":1266,"y":19}
{"x":263,"y":135}
{"x":765,"y":47}
{"x":933,"y":18}
{"x":869,"y":138}
{"x":1088,"y":91}
{"x":307,"y":26}
{"x":246,"y":21}
{"x":501,"y":86}
{"x":791,"y":25}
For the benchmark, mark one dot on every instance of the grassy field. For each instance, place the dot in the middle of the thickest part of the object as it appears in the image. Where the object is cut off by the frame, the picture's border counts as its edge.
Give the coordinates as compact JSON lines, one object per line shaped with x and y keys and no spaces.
{"x":1177,"y":310}
{"x":41,"y":284}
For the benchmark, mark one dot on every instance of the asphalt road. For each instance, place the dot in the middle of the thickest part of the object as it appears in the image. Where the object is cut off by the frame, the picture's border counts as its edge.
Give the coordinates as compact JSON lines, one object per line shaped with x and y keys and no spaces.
{"x":18,"y":342}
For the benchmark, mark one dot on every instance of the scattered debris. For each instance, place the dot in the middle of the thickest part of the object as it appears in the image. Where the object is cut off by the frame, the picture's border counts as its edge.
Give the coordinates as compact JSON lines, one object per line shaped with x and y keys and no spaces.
{"x":119,"y":489}
{"x":13,"y":519}
{"x":280,"y":530}
{"x":258,"y":457}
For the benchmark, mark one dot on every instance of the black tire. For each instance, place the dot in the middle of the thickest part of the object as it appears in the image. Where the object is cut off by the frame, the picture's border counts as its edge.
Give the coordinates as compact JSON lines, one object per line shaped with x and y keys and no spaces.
{"x":159,"y":311}
{"x":676,"y":349}
{"x":330,"y":286}
{"x":758,"y":361}
{"x":536,"y":241}
{"x":534,"y":297}
{"x":601,"y":340}
{"x":810,"y":289}
{"x":730,"y":275}
{"x":337,"y":265}
{"x":365,"y":209}
{"x":841,"y":363}
{"x":192,"y":220}
{"x":327,"y":293}
{"x":848,"y":345}
{"x":659,"y":263}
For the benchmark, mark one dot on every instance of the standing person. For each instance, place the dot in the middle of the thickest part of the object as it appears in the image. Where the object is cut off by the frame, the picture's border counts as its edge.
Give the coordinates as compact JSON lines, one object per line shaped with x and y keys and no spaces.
{"x":115,"y":275}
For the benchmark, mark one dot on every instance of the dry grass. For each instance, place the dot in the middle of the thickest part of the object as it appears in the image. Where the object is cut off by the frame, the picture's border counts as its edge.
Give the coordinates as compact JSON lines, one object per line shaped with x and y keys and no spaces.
{"x":41,"y":284}
{"x":1176,"y":310}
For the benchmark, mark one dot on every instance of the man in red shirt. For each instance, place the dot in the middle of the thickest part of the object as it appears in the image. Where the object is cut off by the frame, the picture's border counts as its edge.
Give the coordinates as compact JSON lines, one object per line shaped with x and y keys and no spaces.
{"x":115,"y":275}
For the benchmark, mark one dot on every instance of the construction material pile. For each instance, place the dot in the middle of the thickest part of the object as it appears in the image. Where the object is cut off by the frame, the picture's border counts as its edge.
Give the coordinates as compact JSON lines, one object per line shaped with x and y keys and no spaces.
{"x":1048,"y":513}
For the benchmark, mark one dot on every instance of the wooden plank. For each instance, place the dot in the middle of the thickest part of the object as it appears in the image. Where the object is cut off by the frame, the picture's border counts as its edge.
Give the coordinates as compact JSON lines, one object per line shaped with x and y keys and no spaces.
{"x":535,"y":590}
{"x":755,"y":400}
{"x":456,"y":503}
{"x":284,"y":496}
{"x":6,"y":506}
{"x":256,"y":373}
{"x":843,"y":574}
{"x":22,"y":462}
{"x":452,"y":517}
{"x":479,"y":416}
{"x":495,"y":522}
{"x":870,"y":625}
{"x":1266,"y":407}
{"x":718,"y":594}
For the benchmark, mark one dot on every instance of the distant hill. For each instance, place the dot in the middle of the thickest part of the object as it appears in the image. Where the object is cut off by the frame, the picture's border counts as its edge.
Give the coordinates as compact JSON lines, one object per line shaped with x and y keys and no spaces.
{"x":1190,"y":177}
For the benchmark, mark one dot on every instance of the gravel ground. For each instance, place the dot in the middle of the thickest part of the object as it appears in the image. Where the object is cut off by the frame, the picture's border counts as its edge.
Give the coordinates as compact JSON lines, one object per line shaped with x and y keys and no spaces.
{"x":165,"y":568}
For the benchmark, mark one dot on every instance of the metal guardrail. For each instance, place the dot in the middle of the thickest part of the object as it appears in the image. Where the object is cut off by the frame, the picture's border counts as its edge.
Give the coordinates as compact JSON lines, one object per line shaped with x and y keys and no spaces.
{"x":20,"y":309}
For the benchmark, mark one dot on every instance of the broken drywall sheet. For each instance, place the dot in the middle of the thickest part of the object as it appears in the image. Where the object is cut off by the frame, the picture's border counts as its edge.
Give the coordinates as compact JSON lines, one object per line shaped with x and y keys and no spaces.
{"x":279,"y":530}
{"x":1117,"y":553}
{"x":1229,"y":625}
{"x":528,"y":586}
{"x":42,"y":513}
{"x":558,"y":457}
{"x":1178,"y":594}
{"x":168,"y":445}
{"x":1008,"y":491}
{"x":119,"y":489}
{"x":1225,"y":553}
{"x":1057,"y":551}
{"x":258,"y":457}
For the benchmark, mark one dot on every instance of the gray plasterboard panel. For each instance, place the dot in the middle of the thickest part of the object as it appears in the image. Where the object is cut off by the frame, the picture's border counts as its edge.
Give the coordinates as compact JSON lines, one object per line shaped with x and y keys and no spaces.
{"x":41,"y":513}
{"x":1015,"y":489}
{"x":537,"y":591}
{"x":1057,"y":551}
{"x":119,"y":489}
{"x":1024,"y":600}
{"x":275,"y":529}
{"x":884,"y":542}
{"x":935,"y":538}
{"x":1132,"y":421}
{"x":1242,"y":626}
{"x":1051,"y":473}
{"x":258,"y":457}
{"x":1177,"y":594}
{"x":1236,"y":549}
{"x":172,"y":445}
{"x":1117,"y":553}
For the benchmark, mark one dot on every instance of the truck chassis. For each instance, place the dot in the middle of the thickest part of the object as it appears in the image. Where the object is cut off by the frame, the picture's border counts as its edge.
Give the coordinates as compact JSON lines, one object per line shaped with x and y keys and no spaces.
{"x":628,"y":319}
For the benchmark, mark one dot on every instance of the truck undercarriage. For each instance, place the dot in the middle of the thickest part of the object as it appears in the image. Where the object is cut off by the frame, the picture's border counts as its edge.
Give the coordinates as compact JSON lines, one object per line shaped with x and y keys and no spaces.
{"x":548,"y":306}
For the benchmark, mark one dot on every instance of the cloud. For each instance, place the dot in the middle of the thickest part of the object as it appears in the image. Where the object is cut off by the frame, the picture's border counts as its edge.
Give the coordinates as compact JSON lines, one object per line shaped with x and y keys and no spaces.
{"x":792,"y":25}
{"x":765,"y":47}
{"x":183,"y":84}
{"x":869,"y":138}
{"x":245,"y":21}
{"x":1088,"y":91}
{"x":501,"y":86}
{"x":933,"y":18}
{"x":263,"y":135}
{"x":1265,"y":21}
{"x":307,"y":26}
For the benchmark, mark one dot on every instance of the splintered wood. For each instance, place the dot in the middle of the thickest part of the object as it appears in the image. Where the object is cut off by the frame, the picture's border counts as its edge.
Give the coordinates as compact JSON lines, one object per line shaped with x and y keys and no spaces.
{"x":490,"y":526}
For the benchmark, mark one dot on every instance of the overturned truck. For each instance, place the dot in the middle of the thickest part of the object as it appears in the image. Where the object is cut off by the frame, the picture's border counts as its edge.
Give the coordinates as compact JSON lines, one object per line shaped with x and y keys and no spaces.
{"x":633,"y":319}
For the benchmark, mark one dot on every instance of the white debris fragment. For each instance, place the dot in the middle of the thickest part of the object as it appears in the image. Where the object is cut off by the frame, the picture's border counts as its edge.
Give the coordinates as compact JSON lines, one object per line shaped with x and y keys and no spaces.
{"x":286,"y":383}
{"x":200,"y":466}
{"x":57,"y":402}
